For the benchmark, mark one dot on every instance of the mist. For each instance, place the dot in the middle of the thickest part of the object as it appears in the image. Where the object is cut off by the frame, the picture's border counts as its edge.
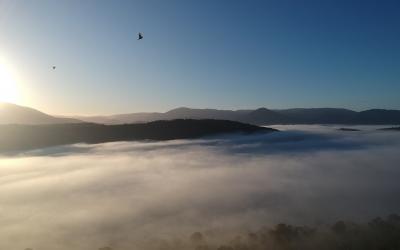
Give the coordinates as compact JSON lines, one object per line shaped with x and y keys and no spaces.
{"x":131,"y":195}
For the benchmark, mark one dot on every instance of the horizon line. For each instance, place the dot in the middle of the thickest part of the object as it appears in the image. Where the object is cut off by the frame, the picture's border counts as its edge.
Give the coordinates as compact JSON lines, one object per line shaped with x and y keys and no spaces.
{"x":185,"y":107}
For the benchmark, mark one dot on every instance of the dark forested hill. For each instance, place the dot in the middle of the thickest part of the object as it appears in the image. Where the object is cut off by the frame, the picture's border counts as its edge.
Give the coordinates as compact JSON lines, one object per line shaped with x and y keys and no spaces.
{"x":24,"y":137}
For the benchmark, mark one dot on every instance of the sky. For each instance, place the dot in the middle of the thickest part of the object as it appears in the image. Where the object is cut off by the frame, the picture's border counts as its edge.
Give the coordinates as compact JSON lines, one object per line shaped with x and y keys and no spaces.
{"x":203,"y":54}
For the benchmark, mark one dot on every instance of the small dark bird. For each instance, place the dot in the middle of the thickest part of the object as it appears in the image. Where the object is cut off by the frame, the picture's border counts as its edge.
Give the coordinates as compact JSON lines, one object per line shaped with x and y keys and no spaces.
{"x":140,"y":36}
{"x":54,"y":67}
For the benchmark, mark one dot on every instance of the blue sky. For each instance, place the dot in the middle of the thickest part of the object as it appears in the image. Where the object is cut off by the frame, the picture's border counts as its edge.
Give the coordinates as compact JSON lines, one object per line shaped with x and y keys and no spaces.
{"x":216,"y":54}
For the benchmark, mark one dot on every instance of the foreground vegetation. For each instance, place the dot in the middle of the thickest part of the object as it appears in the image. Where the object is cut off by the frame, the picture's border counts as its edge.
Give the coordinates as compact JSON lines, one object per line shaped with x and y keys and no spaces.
{"x":378,"y":234}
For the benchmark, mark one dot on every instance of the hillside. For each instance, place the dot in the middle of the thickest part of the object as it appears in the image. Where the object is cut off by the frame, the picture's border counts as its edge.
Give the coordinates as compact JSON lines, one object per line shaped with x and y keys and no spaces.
{"x":25,"y":137}
{"x":15,"y":114}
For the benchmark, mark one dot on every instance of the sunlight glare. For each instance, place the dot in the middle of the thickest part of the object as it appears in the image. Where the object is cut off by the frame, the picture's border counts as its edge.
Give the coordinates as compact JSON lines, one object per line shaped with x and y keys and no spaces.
{"x":8,"y":85}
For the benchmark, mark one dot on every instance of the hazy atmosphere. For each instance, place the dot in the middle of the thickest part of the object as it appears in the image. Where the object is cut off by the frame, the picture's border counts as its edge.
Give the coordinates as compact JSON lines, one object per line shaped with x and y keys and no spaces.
{"x":131,"y":195}
{"x":199,"y":125}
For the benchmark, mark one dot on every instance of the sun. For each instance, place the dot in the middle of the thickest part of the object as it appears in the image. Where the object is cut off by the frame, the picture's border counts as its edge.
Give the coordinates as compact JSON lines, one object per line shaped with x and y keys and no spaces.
{"x":8,"y":85}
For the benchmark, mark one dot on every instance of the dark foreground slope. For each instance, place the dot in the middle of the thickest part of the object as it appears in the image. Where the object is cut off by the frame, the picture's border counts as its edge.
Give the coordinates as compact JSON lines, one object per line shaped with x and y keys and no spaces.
{"x":377,"y":234}
{"x":25,"y":137}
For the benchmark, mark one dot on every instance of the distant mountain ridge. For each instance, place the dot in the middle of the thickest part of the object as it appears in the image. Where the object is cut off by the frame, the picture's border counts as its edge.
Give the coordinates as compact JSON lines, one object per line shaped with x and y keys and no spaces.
{"x":15,"y":114}
{"x":261,"y":116}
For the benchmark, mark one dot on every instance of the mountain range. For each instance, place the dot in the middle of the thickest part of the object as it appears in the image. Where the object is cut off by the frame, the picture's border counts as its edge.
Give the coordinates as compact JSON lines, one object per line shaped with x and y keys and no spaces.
{"x":14,"y":114}
{"x":261,"y":116}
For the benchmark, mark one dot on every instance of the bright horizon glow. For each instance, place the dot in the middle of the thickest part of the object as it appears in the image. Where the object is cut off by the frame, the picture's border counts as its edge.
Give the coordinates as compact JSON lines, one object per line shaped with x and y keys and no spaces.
{"x":8,"y":85}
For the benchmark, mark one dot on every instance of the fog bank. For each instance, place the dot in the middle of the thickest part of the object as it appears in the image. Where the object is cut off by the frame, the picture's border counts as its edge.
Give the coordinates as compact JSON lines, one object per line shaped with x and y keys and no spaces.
{"x":128,"y":194}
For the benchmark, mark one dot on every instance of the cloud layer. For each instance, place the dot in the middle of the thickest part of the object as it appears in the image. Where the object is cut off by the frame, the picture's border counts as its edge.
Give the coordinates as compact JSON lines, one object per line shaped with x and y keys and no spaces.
{"x":128,"y":194}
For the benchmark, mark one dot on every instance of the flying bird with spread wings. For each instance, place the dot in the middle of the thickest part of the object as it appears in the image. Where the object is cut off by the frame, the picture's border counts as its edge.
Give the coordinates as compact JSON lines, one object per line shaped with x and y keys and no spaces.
{"x":140,"y":36}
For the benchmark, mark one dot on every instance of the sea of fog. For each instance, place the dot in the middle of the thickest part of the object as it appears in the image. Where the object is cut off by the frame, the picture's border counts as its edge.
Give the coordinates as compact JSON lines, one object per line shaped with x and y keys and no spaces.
{"x":129,"y":195}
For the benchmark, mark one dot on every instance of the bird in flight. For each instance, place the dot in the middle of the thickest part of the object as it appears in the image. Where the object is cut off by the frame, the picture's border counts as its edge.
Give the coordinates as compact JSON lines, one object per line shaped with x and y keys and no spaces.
{"x":140,"y":36}
{"x":54,"y":67}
